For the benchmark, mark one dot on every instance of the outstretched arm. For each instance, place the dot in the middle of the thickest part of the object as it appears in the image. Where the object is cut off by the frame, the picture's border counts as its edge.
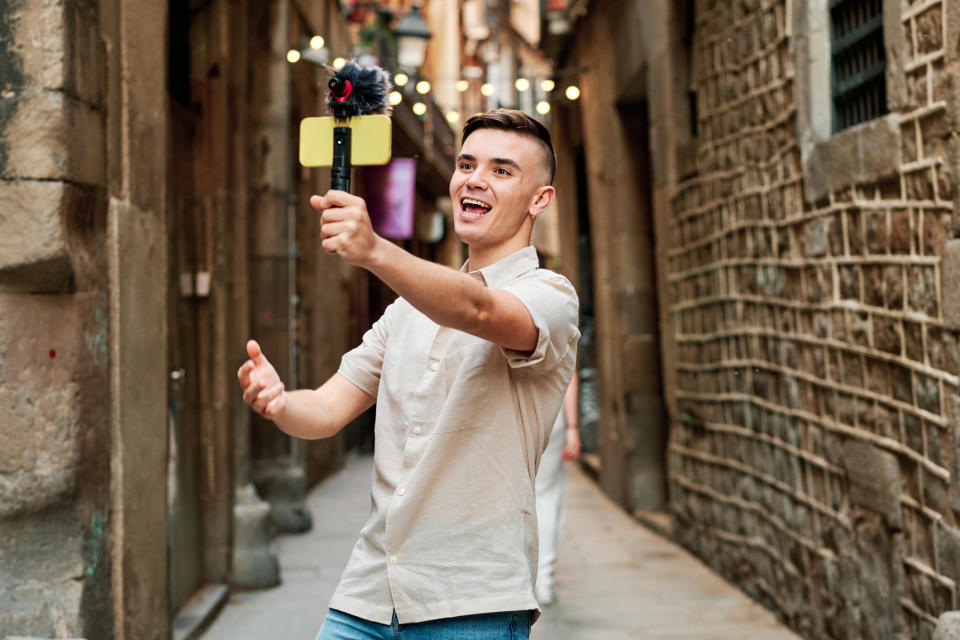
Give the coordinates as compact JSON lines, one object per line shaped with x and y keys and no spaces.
{"x":448,"y":297}
{"x":305,"y":413}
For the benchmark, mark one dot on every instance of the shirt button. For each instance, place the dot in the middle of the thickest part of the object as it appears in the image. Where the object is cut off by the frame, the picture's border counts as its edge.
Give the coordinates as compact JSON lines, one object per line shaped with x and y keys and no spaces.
{"x":393,"y":559}
{"x":434,"y":366}
{"x":401,"y":491}
{"x":416,"y":430}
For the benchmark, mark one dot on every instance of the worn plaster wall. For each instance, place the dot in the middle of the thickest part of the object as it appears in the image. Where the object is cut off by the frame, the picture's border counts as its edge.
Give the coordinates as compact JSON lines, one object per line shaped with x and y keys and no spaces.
{"x":608,"y":59}
{"x":814,"y":458}
{"x":54,"y":420}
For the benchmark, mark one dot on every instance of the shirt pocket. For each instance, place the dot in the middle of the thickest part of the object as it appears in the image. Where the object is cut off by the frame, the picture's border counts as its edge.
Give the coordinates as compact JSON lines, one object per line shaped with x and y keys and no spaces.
{"x":466,"y":376}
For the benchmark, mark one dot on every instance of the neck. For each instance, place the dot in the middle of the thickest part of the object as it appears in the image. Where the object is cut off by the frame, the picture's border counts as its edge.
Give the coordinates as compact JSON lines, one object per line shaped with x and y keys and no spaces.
{"x":480,"y":257}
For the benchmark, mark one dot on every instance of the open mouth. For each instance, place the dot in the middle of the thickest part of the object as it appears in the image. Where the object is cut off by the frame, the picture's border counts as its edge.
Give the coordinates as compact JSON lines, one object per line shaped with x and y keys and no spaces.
{"x":474,"y":207}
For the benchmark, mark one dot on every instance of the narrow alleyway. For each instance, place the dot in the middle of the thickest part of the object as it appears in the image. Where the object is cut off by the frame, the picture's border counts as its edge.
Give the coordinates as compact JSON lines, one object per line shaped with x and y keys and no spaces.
{"x":616,"y":579}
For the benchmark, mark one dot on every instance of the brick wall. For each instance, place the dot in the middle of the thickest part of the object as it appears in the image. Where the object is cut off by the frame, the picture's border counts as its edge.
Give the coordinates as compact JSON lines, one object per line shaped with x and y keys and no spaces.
{"x":812,"y":463}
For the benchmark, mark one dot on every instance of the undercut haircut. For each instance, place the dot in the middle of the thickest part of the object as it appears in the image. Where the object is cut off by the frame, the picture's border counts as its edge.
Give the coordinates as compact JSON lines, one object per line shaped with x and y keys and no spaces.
{"x":516,"y":122}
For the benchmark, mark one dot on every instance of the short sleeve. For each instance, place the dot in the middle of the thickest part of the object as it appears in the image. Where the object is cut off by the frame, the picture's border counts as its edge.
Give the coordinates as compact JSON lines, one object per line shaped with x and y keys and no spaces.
{"x":363,"y":364}
{"x":554,"y":307}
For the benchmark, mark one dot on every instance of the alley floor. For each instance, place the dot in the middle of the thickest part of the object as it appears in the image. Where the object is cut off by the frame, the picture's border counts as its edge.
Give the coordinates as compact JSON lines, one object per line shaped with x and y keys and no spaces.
{"x":616,"y":579}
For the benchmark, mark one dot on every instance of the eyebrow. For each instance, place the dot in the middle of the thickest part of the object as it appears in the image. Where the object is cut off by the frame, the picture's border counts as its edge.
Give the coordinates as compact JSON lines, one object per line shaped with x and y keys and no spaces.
{"x":504,"y":161}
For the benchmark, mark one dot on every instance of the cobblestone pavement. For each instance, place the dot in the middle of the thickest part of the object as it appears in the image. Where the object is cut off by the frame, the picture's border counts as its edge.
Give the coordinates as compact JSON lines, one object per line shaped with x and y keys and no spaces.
{"x":616,"y":579}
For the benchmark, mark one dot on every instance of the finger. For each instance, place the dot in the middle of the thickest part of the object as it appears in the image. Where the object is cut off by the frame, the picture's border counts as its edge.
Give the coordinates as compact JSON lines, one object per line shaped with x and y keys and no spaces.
{"x":336,"y":214}
{"x":254,"y":352}
{"x":331,"y":245}
{"x":331,"y":229}
{"x":266,"y":396}
{"x":251,"y":392}
{"x":336,"y":198}
{"x":243,"y":373}
{"x":316,"y":202}
{"x":270,"y":393}
{"x":276,"y":405}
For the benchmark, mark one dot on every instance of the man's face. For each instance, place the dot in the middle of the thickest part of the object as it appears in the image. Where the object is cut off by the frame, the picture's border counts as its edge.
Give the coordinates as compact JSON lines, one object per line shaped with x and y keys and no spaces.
{"x":495,"y":186}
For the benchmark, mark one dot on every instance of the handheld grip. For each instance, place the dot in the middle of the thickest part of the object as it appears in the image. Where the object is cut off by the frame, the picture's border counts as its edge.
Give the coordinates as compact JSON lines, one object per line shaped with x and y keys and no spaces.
{"x":340,"y":172}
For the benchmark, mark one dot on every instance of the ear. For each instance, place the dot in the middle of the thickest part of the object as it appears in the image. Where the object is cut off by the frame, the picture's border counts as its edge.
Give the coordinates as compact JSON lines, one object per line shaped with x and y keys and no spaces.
{"x":541,"y":200}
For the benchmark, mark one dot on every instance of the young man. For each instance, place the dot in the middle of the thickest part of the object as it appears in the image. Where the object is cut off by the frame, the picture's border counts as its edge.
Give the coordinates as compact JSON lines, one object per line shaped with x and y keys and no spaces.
{"x":468,"y":370}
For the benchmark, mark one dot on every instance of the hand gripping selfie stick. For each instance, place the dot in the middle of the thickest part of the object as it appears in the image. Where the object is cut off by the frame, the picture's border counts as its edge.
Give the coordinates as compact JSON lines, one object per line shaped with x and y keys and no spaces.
{"x":359,"y":131}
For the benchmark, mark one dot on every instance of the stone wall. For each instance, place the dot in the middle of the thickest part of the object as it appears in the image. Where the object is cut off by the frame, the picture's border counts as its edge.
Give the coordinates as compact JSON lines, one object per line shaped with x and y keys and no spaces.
{"x":814,"y":460}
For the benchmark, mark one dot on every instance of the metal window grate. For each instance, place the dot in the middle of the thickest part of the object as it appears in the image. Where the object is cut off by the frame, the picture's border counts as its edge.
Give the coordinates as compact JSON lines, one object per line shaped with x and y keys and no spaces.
{"x":857,"y":61}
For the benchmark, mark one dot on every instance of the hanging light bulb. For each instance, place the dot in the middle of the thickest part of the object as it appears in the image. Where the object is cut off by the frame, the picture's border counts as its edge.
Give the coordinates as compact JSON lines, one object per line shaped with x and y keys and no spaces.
{"x":462,"y":85}
{"x":453,"y":116}
{"x":316,"y":42}
{"x":395,"y":98}
{"x":572,"y":92}
{"x":401,"y":79}
{"x":543,"y":107}
{"x":293,"y":56}
{"x":486,"y":89}
{"x":548,"y":85}
{"x":522,"y":84}
{"x":419,"y":108}
{"x":338,"y":63}
{"x":423,"y":87}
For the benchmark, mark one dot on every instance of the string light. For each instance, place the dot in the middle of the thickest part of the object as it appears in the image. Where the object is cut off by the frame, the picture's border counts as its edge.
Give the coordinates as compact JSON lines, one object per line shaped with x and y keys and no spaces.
{"x":453,"y":116}
{"x":316,"y":42}
{"x":338,"y":63}
{"x":548,"y":85}
{"x":572,"y":92}
{"x":522,"y":84}
{"x":419,"y":108}
{"x":462,"y":85}
{"x":486,"y":89}
{"x":423,"y":87}
{"x":543,"y":107}
{"x":401,"y":79}
{"x":293,"y":56}
{"x":395,"y":98}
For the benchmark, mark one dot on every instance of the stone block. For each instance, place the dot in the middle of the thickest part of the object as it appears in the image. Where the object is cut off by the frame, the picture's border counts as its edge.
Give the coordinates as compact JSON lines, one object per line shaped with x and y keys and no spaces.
{"x":950,"y":283}
{"x":33,"y":238}
{"x":52,"y":352}
{"x":948,"y":626}
{"x":53,"y":135}
{"x":874,"y":479}
{"x":42,"y":574}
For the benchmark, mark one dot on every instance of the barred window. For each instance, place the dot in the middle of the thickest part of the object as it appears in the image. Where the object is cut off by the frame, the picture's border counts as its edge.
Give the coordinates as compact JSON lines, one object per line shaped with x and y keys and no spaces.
{"x":857,"y":61}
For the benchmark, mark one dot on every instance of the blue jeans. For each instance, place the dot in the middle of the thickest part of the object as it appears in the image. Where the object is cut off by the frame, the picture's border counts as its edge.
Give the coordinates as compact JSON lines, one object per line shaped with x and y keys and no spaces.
{"x":507,"y":625}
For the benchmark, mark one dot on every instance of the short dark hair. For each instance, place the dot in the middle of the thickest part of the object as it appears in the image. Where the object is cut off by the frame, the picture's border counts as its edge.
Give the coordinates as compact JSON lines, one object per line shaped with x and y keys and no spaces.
{"x":516,"y":122}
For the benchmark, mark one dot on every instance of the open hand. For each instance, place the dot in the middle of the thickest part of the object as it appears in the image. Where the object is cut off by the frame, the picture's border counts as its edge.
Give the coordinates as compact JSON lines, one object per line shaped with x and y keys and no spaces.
{"x":262,"y":388}
{"x":345,"y":227}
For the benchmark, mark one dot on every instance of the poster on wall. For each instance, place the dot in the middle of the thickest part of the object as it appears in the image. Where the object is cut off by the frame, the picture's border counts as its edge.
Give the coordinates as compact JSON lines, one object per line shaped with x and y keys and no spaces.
{"x":390,"y":197}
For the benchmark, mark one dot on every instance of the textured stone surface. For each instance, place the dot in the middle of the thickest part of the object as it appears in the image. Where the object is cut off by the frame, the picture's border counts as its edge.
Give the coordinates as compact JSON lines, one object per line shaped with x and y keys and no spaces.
{"x":948,"y":626}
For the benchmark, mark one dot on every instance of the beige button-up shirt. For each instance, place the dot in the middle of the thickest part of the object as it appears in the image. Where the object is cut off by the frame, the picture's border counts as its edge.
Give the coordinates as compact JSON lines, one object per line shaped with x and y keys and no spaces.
{"x":461,"y":424}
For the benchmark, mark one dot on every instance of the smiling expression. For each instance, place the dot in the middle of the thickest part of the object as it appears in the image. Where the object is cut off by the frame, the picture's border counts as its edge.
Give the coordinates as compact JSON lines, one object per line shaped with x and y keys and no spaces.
{"x":498,"y":188}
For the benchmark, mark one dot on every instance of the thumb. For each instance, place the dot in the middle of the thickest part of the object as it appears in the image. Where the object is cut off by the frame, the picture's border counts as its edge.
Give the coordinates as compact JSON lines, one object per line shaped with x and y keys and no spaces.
{"x":253,"y":351}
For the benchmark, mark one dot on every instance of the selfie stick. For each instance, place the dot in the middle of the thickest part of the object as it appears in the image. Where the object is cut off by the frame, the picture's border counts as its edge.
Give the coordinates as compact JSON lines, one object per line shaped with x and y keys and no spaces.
{"x":359,"y":131}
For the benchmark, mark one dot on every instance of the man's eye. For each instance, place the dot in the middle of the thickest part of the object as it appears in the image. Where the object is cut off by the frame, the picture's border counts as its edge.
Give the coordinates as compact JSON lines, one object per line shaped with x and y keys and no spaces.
{"x":501,"y":171}
{"x":465,"y":166}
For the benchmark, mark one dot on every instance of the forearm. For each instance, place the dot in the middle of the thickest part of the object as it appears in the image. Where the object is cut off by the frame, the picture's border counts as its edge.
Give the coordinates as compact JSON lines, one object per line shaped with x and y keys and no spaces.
{"x":571,"y":410}
{"x":448,"y":297}
{"x":306,"y":416}
{"x":320,"y":413}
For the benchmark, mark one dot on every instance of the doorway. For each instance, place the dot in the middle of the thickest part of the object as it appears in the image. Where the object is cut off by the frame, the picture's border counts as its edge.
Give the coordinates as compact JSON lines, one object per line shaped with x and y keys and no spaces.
{"x":184,"y":516}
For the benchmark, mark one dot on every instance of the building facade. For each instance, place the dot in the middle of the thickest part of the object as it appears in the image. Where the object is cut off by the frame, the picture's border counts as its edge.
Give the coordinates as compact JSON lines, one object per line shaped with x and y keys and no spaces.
{"x":779,"y":233}
{"x":153,"y":218}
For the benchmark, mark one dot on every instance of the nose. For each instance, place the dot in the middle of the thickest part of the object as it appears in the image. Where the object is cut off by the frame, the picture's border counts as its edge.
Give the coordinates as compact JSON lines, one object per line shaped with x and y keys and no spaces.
{"x":476,"y":181}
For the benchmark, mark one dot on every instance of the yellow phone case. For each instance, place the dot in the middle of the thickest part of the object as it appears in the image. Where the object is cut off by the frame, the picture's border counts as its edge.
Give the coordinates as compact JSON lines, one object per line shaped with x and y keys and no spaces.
{"x":370,"y":141}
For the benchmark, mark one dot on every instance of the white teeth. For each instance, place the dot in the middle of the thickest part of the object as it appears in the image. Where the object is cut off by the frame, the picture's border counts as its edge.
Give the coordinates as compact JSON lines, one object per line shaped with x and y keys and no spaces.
{"x":476,"y":202}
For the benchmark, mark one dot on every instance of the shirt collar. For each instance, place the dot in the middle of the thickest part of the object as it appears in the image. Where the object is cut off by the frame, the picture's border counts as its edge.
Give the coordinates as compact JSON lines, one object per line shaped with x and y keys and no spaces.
{"x":506,"y":269}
